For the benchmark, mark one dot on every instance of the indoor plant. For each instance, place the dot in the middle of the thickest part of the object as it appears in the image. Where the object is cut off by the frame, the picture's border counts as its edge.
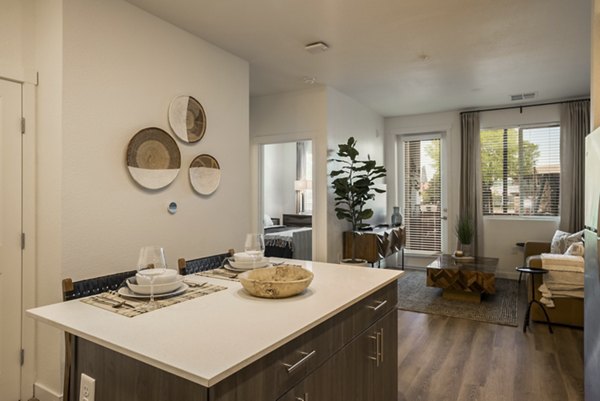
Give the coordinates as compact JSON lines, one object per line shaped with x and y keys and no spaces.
{"x":464,"y":232}
{"x":354,"y":185}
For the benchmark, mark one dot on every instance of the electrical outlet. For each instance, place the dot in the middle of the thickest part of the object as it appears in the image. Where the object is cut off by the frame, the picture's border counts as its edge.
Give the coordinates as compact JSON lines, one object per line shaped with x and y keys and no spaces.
{"x":87,"y":388}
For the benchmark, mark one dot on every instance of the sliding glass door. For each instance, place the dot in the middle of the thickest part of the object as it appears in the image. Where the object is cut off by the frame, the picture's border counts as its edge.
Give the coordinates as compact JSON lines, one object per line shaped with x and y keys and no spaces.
{"x":421,"y":190}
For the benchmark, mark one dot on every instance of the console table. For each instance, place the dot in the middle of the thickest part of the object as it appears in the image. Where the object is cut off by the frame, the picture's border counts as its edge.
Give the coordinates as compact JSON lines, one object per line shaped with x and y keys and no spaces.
{"x":376,"y":244}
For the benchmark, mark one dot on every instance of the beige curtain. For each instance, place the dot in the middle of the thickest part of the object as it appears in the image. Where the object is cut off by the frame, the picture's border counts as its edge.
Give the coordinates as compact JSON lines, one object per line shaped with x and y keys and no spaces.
{"x":470,"y":204}
{"x":574,"y":126}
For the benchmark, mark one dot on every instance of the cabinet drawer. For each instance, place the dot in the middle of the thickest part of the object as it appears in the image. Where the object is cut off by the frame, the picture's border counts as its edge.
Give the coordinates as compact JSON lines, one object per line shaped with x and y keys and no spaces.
{"x":274,"y":374}
{"x":286,"y":367}
{"x":374,"y":307}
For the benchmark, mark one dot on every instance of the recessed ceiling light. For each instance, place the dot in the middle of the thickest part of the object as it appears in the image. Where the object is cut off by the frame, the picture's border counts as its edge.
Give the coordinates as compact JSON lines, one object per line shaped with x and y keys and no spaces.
{"x":316,"y":47}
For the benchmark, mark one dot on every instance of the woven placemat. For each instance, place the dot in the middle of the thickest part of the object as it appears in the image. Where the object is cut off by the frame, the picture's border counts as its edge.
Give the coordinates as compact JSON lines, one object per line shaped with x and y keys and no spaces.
{"x":134,"y":307}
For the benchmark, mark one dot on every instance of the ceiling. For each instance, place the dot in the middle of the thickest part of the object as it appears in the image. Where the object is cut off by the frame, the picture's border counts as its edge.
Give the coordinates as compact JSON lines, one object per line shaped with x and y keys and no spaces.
{"x":401,"y":57}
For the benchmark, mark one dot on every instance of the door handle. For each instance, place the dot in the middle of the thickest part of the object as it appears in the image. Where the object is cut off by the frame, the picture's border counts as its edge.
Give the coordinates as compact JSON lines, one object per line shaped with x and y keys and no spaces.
{"x":444,"y":218}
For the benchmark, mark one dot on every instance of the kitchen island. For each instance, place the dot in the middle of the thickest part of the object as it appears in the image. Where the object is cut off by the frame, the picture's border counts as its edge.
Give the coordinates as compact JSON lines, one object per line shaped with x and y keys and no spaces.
{"x":337,"y":340}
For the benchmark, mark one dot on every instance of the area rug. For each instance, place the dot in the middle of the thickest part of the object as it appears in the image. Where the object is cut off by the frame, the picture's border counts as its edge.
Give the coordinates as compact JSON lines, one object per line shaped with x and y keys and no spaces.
{"x":500,"y":308}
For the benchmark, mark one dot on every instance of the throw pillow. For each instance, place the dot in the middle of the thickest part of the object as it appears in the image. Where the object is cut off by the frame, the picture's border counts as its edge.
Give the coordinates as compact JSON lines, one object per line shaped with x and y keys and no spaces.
{"x":267,"y":222}
{"x":562,"y":240}
{"x":575,"y":249}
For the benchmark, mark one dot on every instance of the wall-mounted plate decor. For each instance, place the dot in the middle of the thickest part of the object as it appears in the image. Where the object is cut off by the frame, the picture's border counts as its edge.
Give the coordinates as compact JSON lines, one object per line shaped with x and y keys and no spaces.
{"x":205,"y":174}
{"x":153,"y":158}
{"x":187,"y":118}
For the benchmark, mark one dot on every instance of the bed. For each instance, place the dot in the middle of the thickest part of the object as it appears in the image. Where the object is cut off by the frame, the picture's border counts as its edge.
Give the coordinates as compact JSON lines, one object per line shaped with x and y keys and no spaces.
{"x":292,"y":239}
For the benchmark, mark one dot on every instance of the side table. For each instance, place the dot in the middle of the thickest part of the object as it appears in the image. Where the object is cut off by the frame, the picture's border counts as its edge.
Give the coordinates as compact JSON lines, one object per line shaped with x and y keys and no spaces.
{"x":528,"y":270}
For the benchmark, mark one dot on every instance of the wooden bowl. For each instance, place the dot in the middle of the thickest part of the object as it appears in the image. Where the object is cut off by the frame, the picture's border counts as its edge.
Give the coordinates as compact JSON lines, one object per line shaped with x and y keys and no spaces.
{"x":276,"y":282}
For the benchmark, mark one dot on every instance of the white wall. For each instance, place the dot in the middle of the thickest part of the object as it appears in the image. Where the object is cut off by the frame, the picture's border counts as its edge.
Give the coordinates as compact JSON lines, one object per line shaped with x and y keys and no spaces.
{"x":290,"y":117}
{"x":328,"y":117}
{"x":122,"y":67}
{"x":108,"y":69}
{"x":12,"y":30}
{"x":500,"y":233}
{"x":279,"y":174}
{"x":348,"y":118}
{"x":48,"y":62}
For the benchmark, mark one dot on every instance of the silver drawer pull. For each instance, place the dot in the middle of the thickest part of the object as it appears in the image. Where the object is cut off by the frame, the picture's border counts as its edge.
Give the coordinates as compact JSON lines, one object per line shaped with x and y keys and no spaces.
{"x":307,"y":356}
{"x":376,"y":308}
{"x":381,"y":346}
{"x":302,"y":399}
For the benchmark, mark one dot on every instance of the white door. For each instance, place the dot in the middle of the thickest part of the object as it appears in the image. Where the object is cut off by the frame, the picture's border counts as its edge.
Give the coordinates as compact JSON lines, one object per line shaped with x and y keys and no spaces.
{"x":422,"y":192}
{"x":10,"y":240}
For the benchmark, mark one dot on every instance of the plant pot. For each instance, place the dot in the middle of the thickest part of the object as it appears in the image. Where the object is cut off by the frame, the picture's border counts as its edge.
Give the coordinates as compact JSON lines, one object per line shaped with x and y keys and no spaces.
{"x":355,"y":262}
{"x":467,"y":249}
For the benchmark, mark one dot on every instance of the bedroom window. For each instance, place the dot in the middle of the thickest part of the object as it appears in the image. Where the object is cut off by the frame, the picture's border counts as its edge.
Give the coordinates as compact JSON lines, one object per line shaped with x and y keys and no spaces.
{"x":520,"y":171}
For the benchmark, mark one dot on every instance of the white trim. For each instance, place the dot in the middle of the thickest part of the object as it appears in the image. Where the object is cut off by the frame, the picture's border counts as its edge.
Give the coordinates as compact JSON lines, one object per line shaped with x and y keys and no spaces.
{"x":256,"y":166}
{"x":29,"y":261}
{"x":283,"y":137}
{"x":546,"y":124}
{"x":444,"y":166}
{"x":420,"y":130}
{"x":44,"y":393}
{"x":511,"y":217}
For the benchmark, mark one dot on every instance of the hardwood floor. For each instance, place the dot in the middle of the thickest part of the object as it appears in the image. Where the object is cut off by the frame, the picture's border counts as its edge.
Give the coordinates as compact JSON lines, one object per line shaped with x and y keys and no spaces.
{"x":448,"y":359}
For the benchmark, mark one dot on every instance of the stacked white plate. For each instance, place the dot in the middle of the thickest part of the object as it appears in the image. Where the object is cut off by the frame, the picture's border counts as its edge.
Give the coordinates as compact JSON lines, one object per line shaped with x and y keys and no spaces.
{"x":241,"y":262}
{"x":134,"y":289}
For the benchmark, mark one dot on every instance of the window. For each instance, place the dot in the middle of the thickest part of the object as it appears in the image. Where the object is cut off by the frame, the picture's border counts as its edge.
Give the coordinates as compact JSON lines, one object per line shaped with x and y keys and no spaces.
{"x":520,"y":171}
{"x":422,"y":194}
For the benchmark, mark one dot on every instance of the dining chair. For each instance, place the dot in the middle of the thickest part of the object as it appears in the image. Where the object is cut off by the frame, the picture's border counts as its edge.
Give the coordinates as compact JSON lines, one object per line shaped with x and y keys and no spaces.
{"x":203,"y":264}
{"x":79,"y":289}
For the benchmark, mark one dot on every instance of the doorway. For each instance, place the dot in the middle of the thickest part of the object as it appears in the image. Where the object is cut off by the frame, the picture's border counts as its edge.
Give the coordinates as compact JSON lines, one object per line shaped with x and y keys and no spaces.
{"x":286,"y":199}
{"x":422,"y":192}
{"x":10,"y":239}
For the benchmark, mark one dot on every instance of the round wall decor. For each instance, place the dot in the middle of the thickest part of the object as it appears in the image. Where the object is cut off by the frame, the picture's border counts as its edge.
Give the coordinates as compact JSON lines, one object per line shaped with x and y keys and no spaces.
{"x":153,"y":158}
{"x":205,"y":174}
{"x":187,"y":118}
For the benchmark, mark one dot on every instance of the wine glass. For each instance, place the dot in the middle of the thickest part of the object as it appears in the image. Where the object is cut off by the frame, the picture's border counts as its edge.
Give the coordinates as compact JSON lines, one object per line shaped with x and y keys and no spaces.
{"x":152,"y":263}
{"x":255,"y":246}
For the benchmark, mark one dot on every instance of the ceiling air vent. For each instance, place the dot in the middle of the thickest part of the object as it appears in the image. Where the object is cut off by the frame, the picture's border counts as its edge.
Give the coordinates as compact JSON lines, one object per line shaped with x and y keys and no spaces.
{"x":522,"y":96}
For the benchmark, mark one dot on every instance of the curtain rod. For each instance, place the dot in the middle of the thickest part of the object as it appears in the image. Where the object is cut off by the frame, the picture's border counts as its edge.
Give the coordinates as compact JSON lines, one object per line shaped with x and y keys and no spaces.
{"x":525,"y":105}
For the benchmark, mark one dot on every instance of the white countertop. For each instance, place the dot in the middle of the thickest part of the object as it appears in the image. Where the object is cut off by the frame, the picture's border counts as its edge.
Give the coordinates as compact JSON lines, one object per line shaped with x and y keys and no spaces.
{"x":209,"y":338}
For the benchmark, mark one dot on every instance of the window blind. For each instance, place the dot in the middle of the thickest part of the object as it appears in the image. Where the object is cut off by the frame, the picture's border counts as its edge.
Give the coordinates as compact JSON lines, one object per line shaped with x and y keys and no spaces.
{"x":422,"y":195}
{"x":520,"y":169}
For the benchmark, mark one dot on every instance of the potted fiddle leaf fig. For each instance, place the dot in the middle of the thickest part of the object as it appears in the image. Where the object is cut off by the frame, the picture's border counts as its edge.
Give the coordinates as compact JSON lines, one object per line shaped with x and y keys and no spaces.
{"x":354,"y":185}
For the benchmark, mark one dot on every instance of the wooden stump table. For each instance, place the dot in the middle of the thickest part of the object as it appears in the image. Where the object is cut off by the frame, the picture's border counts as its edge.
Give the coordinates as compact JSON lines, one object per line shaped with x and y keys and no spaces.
{"x":463,"y":279}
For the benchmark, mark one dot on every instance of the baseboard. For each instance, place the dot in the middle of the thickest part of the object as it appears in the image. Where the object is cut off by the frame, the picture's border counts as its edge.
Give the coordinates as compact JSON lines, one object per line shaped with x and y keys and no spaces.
{"x":43,"y":393}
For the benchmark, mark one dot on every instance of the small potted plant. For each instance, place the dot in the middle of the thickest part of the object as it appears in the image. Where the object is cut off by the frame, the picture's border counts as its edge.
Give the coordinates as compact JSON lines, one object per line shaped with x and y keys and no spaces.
{"x":354,"y":185}
{"x":464,"y":232}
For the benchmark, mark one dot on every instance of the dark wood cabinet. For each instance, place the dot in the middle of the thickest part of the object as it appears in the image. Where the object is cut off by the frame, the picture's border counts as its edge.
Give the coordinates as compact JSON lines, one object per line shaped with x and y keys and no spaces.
{"x":350,"y":356}
{"x":363,"y":370}
{"x":375,"y":245}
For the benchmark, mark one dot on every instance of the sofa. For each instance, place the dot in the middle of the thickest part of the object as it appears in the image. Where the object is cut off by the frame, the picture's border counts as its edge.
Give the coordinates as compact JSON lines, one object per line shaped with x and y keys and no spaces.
{"x":567,"y":311}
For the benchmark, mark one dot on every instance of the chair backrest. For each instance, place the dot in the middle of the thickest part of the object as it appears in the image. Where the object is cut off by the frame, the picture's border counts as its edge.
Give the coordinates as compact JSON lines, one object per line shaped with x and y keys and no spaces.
{"x":202,"y":264}
{"x":93,"y":286}
{"x":80,"y":289}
